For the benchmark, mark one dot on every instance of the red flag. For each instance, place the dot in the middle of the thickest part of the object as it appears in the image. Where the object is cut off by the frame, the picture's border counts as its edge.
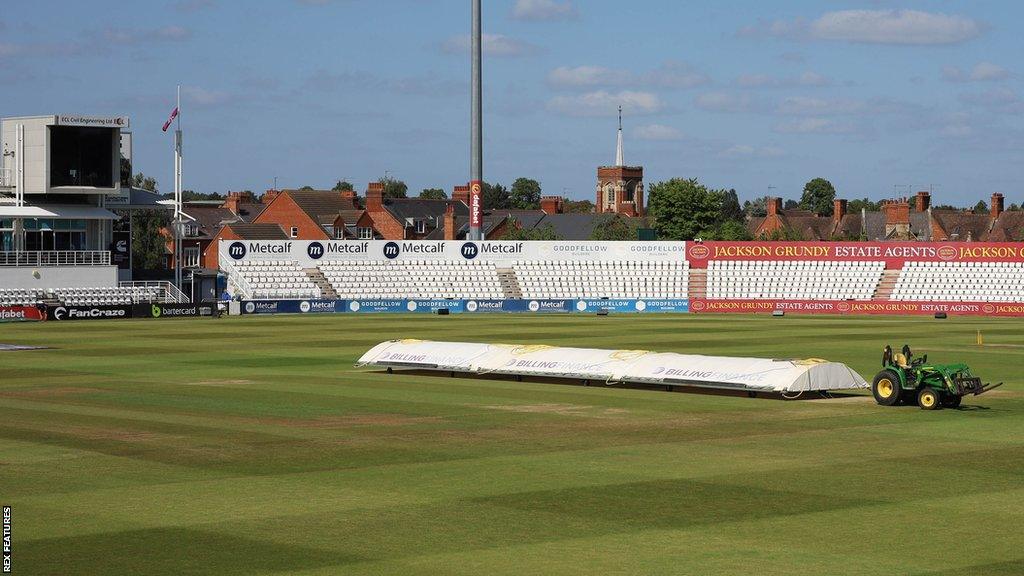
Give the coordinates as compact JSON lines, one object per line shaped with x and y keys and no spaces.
{"x":174,"y":114}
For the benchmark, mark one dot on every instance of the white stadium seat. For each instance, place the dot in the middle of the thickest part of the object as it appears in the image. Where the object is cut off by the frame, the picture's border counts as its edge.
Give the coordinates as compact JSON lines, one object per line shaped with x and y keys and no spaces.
{"x":793,"y":280}
{"x":277,"y":279}
{"x":610,"y":279}
{"x":413,"y":279}
{"x":960,"y":282}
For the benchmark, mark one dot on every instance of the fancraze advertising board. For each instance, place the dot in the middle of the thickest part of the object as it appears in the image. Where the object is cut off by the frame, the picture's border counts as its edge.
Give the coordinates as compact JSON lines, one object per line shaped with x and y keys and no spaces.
{"x":62,"y":313}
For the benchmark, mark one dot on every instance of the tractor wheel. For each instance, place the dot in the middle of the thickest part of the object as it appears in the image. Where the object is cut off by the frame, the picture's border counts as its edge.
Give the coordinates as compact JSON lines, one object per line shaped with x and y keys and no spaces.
{"x":928,"y":399}
{"x":951,"y":400}
{"x":886,"y":388}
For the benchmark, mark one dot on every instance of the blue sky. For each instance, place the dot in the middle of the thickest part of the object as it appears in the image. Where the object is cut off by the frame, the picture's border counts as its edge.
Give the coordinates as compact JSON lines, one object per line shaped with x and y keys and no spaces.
{"x":745,"y":94}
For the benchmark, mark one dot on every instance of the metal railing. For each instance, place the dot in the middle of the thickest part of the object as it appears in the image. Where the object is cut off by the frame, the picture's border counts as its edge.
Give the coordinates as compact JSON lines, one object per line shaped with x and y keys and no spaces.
{"x":56,"y":258}
{"x":240,"y":282}
{"x":167,"y":291}
{"x":6,"y":178}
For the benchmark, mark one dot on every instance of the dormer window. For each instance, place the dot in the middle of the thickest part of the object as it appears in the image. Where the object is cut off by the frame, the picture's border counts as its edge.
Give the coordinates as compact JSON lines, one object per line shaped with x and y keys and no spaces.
{"x":421,"y":226}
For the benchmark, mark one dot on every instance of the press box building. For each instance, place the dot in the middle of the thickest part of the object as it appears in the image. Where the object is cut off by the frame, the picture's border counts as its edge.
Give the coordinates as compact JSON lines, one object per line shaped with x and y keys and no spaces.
{"x":60,"y":177}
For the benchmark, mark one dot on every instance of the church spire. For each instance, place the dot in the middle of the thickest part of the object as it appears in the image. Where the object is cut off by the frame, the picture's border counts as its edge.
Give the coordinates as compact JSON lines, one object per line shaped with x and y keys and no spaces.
{"x":619,"y":156}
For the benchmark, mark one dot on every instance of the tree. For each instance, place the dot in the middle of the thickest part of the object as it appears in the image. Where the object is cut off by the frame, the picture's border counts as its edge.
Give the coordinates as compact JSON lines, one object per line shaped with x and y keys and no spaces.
{"x":757,"y":208}
{"x":525,"y":194}
{"x":818,"y":197}
{"x":307,"y":188}
{"x":578,"y":207}
{"x":144,"y":182}
{"x":731,"y":230}
{"x":612,"y":228}
{"x":516,"y":232}
{"x":126,"y":171}
{"x":192,"y":196}
{"x":495,"y":197}
{"x":980,"y":208}
{"x":684,"y":209}
{"x":790,"y":205}
{"x":394,"y":188}
{"x":1014,"y":207}
{"x":863,"y":204}
{"x":434,"y":194}
{"x":149,"y":250}
{"x":343,"y":186}
{"x":731,"y":206}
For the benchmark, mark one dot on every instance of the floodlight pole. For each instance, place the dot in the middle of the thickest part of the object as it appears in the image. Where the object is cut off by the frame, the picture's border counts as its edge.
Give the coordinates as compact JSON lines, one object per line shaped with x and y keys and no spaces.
{"x":476,"y":132}
{"x":178,"y":252}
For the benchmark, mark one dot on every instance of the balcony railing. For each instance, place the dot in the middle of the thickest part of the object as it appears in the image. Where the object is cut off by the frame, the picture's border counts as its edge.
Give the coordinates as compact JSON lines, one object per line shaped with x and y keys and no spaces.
{"x":56,"y":258}
{"x":6,"y":178}
{"x":166,"y":291}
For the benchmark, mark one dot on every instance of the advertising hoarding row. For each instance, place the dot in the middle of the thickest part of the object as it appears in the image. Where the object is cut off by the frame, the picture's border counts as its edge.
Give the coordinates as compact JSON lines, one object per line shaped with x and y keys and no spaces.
{"x":71,"y":313}
{"x":459,"y":306}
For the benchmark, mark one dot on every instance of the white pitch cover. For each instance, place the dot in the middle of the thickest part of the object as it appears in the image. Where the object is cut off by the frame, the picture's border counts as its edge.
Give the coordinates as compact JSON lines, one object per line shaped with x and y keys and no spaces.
{"x":612,"y":366}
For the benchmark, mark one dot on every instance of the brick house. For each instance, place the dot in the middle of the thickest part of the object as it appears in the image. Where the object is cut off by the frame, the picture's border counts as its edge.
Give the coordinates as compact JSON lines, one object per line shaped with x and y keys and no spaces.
{"x":203,"y":219}
{"x":309,"y":214}
{"x":239,"y":231}
{"x":899,"y":219}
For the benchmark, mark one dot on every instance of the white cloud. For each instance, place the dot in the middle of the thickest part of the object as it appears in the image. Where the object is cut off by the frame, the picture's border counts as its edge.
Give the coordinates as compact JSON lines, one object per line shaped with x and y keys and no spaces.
{"x":657,"y":132}
{"x":193,"y":5}
{"x":544,"y":10}
{"x":806,"y":106}
{"x":813,"y":126}
{"x":981,"y":72}
{"x":204,"y":97}
{"x":583,"y":76}
{"x":493,"y":45}
{"x":1001,"y":100}
{"x":668,"y":75}
{"x":747,"y":151}
{"x":127,"y":36}
{"x":807,"y":79}
{"x":724,"y":102}
{"x":908,"y":27}
{"x":604,"y":103}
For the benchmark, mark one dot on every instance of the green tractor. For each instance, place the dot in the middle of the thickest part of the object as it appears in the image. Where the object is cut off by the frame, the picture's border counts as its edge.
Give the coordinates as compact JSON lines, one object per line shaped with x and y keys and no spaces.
{"x":931,"y":386}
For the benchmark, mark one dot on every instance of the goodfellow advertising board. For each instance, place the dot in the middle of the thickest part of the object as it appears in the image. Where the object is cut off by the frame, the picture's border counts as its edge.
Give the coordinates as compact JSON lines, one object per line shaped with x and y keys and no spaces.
{"x":707,"y":306}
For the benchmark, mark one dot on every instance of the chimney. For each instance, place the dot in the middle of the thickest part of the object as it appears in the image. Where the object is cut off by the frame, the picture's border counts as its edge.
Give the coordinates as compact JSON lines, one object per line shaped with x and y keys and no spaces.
{"x":923,"y":202}
{"x":231,"y":202}
{"x":270,"y":195}
{"x":838,"y":210}
{"x":996,"y":207}
{"x":449,"y":222}
{"x":461,"y":194}
{"x":897,"y":218}
{"x":551,"y":204}
{"x":375,"y":197}
{"x":774,"y":206}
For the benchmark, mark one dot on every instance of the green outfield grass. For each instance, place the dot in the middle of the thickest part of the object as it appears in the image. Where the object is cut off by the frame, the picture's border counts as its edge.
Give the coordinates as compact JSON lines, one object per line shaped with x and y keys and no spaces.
{"x":252,"y":446}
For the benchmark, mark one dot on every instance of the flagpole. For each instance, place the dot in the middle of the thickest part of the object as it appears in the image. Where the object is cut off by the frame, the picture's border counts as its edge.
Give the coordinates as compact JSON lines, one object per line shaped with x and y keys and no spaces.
{"x":178,"y":252}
